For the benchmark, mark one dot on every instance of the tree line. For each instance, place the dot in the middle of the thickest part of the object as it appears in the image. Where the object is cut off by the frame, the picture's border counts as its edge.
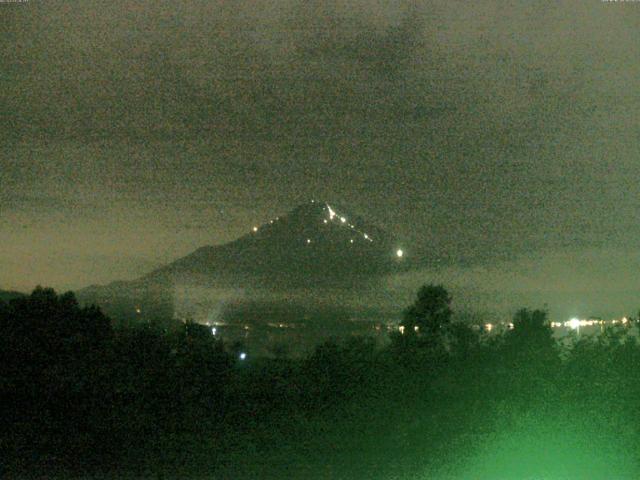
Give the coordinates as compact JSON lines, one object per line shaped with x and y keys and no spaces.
{"x":80,"y":396}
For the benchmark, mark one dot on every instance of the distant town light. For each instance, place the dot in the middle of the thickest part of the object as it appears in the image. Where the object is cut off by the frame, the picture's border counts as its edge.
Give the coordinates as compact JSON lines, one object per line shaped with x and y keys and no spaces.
{"x":343,"y":220}
{"x":574,"y":323}
{"x":399,"y":253}
{"x":326,"y":221}
{"x":138,"y":310}
{"x":308,"y":241}
{"x":255,"y":229}
{"x":243,"y":356}
{"x":351,"y":240}
{"x":214,"y":330}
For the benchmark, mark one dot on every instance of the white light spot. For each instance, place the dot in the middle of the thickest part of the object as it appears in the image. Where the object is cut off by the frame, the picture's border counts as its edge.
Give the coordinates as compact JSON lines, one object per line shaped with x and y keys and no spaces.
{"x":326,"y":221}
{"x":366,"y":236}
{"x":243,"y":356}
{"x":138,"y":310}
{"x":343,"y":220}
{"x":255,"y":229}
{"x":308,"y":241}
{"x":399,"y":253}
{"x":214,"y":330}
{"x":331,"y":213}
{"x":351,"y":240}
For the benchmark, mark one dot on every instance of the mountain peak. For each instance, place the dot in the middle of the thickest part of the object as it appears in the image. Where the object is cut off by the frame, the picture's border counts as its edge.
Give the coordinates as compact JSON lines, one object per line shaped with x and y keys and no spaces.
{"x":315,"y":241}
{"x":317,"y":220}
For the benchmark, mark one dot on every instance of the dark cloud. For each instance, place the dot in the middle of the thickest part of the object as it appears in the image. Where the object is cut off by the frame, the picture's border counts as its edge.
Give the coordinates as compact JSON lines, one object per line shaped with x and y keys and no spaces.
{"x":477,"y":131}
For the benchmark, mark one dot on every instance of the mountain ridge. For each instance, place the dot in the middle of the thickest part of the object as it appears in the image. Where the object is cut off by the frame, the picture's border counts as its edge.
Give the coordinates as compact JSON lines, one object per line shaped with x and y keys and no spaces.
{"x":315,"y":252}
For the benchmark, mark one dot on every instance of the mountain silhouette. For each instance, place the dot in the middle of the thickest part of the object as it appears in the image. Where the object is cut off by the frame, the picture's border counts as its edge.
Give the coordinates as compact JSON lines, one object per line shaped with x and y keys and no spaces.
{"x":314,"y":243}
{"x":314,"y":249}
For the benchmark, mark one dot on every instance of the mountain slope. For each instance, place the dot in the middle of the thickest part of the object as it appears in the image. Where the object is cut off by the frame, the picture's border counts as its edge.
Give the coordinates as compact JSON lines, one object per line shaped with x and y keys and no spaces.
{"x":314,"y":243}
{"x":315,"y":255}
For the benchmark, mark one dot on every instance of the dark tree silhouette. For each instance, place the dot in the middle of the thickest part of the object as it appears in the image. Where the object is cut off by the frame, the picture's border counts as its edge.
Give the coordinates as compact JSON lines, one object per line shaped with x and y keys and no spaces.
{"x":532,"y":326}
{"x":531,"y":340}
{"x":41,"y":329}
{"x":431,"y":312}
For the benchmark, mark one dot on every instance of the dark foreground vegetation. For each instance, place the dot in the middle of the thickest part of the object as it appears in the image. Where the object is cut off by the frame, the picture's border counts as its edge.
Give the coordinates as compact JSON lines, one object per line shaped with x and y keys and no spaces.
{"x":81,"y":400}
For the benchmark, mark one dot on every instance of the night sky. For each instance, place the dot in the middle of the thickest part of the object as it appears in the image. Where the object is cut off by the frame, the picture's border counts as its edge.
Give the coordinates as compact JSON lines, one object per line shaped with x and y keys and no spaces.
{"x":499,"y":140}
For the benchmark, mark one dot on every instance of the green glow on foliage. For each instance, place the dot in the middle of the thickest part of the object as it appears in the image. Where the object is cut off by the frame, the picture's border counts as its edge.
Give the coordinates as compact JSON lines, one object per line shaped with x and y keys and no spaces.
{"x":564,"y":447}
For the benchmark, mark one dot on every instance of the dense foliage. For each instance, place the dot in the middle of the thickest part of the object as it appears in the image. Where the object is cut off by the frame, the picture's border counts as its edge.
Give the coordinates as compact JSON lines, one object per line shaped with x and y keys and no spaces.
{"x":441,"y":401}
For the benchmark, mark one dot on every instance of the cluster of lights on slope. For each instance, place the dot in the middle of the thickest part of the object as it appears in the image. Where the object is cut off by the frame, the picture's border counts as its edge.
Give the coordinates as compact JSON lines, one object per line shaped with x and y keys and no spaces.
{"x":333,"y":214}
{"x":343,"y":220}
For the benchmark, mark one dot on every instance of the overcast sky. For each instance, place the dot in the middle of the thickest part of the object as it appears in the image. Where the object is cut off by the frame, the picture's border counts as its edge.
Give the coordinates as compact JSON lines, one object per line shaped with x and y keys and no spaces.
{"x":502,"y":137}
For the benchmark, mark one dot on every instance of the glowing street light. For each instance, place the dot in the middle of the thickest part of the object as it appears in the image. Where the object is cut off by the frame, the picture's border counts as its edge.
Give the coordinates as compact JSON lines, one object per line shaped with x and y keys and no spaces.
{"x":255,"y":229}
{"x":399,"y":253}
{"x":574,"y":324}
{"x":242,"y":356}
